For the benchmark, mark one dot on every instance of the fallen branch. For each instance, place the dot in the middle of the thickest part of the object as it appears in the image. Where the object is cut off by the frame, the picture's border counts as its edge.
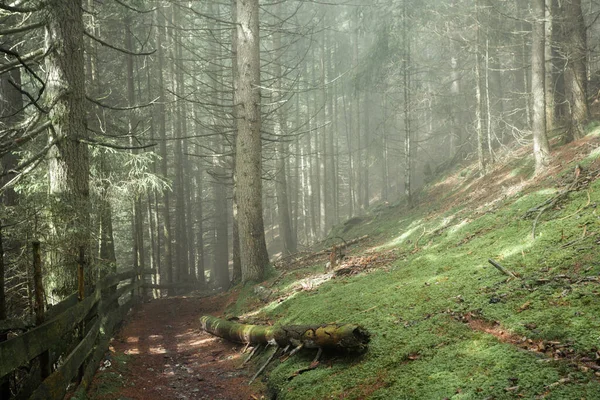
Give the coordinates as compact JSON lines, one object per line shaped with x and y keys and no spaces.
{"x":552,"y":201}
{"x":264,"y":366}
{"x":289,"y":260}
{"x":502,"y":269}
{"x":332,"y":336}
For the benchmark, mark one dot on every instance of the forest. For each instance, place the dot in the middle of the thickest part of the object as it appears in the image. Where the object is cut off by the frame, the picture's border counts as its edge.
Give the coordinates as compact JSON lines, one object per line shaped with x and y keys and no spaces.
{"x":298,"y":163}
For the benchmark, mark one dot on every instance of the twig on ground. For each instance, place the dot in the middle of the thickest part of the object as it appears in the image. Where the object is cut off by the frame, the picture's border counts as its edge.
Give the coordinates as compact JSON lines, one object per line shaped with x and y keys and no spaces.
{"x":502,"y":269}
{"x":252,"y":353}
{"x":264,"y":366}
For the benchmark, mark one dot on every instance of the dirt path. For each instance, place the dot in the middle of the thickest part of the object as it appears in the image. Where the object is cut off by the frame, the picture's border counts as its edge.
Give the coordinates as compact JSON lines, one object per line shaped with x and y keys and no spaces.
{"x":160,"y":353}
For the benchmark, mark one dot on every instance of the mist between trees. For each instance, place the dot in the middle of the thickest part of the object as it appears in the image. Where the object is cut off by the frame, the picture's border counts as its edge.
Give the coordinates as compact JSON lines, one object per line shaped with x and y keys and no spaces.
{"x":198,"y":139}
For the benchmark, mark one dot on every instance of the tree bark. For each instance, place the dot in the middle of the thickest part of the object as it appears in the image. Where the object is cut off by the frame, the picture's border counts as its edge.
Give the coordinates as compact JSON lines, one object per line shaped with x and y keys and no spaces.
{"x":407,"y":106}
{"x":281,"y":176}
{"x":68,"y":157}
{"x":478,"y":97}
{"x":248,"y":167}
{"x":541,"y":147}
{"x":574,"y":52}
{"x":162,"y":132}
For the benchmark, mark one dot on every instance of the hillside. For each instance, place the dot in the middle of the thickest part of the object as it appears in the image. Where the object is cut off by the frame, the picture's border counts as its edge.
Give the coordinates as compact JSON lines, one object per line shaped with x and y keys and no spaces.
{"x":444,"y":322}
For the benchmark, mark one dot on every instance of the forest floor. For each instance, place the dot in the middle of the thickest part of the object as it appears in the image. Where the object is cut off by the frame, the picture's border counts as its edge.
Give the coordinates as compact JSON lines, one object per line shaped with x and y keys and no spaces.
{"x":161,"y":353}
{"x":444,"y":323}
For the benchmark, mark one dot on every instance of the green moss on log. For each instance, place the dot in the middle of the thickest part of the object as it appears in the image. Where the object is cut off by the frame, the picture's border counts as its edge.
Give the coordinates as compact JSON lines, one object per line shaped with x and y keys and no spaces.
{"x":331,"y":336}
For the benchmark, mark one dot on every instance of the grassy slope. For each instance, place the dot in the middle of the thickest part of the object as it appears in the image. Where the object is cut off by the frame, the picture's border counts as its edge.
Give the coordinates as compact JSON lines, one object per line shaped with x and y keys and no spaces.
{"x":418,"y":349}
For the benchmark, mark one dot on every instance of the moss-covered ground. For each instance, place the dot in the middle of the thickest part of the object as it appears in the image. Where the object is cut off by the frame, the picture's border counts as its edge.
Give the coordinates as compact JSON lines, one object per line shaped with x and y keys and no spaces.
{"x":419,"y":348}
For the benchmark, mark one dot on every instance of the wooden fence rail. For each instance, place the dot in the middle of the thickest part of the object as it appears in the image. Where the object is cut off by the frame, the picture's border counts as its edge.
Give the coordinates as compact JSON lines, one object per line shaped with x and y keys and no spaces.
{"x":93,"y":316}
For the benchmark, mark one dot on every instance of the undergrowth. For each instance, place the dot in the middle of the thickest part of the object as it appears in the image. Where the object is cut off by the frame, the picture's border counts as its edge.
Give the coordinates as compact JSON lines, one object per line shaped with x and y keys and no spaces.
{"x":419,"y":348}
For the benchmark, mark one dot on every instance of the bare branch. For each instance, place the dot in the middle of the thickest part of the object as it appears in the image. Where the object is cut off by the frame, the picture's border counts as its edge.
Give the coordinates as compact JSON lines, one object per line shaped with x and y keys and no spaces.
{"x":136,"y":107}
{"x":110,"y":46}
{"x":33,"y":56}
{"x":20,"y":29}
{"x":93,"y":142}
{"x":137,"y":10}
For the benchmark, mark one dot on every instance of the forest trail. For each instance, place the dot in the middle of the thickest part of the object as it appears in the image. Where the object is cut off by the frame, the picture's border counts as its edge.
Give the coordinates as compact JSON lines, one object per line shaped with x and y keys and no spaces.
{"x":161,"y":353}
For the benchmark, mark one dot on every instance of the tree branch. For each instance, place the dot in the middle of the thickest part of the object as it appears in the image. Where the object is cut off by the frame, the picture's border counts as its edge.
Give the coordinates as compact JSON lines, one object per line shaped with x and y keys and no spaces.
{"x":136,"y":107}
{"x":93,"y":142}
{"x":110,"y":46}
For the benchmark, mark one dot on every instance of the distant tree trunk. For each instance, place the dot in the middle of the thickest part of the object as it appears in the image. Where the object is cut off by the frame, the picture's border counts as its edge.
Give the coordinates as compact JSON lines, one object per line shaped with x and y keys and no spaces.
{"x":323,"y":169}
{"x":309,"y":185}
{"x":574,"y":51}
{"x":407,"y":105}
{"x":549,"y":67}
{"x":478,"y":97}
{"x":295,"y":197}
{"x":384,"y":154}
{"x":221,"y":249}
{"x":137,"y":216}
{"x":359,"y":164}
{"x":522,"y":59}
{"x":456,"y":113}
{"x":248,"y":169}
{"x":541,"y":147}
{"x":162,"y":132}
{"x":105,"y":244}
{"x":285,"y":228}
{"x":349,"y":131}
{"x":68,"y":157}
{"x":558,"y":67}
{"x":333,"y":140}
{"x":316,"y":164}
{"x":235,"y":251}
{"x":281,"y":175}
{"x":153,"y":195}
{"x":199,"y":209}
{"x":180,"y":131}
{"x":366,"y":143}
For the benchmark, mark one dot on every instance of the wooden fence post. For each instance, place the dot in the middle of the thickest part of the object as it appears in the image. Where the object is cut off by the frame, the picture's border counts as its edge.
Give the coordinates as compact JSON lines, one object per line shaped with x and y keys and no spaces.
{"x":4,"y":382}
{"x":80,"y":296}
{"x":38,"y":286}
{"x":80,"y":278}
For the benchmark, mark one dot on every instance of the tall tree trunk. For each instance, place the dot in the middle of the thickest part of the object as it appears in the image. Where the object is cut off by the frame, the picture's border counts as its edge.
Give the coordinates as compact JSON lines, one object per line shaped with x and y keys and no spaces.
{"x":11,"y":102}
{"x":281,"y":176}
{"x":68,"y":156}
{"x":478,"y":96}
{"x":253,"y":247}
{"x":541,"y":147}
{"x":574,"y":51}
{"x":549,"y":67}
{"x":199,"y":209}
{"x":106,"y":246}
{"x":407,"y":106}
{"x":181,"y":242}
{"x":137,"y":215}
{"x":235,"y":233}
{"x":221,"y":249}
{"x":348,"y":124}
{"x":367,"y":145}
{"x":162,"y":133}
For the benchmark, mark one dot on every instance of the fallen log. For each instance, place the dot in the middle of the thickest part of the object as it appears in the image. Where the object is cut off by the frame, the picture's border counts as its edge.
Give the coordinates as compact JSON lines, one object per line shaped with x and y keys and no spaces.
{"x":332,"y":336}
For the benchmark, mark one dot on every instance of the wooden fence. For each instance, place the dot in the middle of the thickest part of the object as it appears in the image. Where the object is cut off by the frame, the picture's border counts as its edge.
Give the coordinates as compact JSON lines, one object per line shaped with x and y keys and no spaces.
{"x":44,"y":358}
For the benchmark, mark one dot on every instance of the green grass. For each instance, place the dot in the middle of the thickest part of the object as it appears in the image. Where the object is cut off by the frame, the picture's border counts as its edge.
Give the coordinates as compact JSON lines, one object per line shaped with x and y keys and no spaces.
{"x":418,"y":351}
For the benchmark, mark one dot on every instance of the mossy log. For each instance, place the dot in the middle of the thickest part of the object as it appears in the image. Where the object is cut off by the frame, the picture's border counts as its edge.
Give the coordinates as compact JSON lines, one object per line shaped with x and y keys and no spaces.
{"x":332,"y":336}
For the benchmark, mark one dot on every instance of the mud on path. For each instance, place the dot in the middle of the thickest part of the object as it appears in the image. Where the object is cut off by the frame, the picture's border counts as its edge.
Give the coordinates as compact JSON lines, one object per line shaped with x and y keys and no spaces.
{"x":160,"y":353}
